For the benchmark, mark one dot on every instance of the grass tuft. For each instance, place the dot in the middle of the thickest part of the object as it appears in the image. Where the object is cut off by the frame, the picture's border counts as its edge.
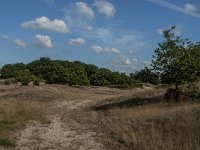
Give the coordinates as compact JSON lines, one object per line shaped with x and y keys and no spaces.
{"x":7,"y":143}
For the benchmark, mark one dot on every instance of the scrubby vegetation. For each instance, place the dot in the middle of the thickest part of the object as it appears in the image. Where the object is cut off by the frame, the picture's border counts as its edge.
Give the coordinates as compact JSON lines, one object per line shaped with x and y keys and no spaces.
{"x":146,"y":75}
{"x":66,"y":72}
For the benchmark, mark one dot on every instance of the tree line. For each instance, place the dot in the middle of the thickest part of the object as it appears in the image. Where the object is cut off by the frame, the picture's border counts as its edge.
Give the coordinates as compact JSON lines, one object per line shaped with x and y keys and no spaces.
{"x":74,"y":73}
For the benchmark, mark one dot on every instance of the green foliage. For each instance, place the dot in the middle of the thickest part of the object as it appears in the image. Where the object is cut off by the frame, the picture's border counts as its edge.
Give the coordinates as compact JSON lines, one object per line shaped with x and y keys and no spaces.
{"x":78,"y":76}
{"x":36,"y":80}
{"x":146,"y":76}
{"x":72,"y":73}
{"x":102,"y":77}
{"x":194,"y":92}
{"x":8,"y":70}
{"x":23,"y":76}
{"x":176,"y":60}
{"x":90,"y":69}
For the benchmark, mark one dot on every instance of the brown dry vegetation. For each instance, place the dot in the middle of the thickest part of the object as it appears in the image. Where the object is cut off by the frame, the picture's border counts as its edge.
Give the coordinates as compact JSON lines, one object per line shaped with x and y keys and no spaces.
{"x":62,"y":117}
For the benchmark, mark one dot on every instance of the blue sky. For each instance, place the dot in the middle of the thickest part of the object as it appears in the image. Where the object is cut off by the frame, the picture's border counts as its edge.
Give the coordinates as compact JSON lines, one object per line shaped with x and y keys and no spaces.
{"x":117,"y":34}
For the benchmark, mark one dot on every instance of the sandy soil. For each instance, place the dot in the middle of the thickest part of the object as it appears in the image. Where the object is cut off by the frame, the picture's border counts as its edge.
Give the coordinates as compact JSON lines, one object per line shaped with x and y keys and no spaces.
{"x":63,"y":132}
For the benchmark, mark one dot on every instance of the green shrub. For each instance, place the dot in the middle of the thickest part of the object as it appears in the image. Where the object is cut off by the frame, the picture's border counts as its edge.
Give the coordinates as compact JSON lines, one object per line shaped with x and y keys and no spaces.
{"x":36,"y":80}
{"x":23,"y":76}
{"x":194,"y":93}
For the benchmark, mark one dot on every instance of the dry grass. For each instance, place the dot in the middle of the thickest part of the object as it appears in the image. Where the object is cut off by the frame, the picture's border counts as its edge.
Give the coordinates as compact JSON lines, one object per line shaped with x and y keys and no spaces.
{"x":16,"y":110}
{"x":125,"y":119}
{"x":149,"y":126}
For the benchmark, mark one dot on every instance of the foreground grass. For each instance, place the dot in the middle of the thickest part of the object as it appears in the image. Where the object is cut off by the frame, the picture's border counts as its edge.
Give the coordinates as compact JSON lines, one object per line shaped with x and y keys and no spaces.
{"x":154,"y":127}
{"x":15,"y":113}
{"x":141,"y":124}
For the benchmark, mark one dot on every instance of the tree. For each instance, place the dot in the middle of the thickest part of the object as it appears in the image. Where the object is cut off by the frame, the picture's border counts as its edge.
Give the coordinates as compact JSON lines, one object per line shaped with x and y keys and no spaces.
{"x":8,"y":70}
{"x":146,"y":75}
{"x":173,"y":60}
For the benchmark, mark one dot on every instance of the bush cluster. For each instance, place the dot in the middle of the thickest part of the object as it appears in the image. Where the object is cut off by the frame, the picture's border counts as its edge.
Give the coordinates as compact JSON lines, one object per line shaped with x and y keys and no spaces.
{"x":66,"y":72}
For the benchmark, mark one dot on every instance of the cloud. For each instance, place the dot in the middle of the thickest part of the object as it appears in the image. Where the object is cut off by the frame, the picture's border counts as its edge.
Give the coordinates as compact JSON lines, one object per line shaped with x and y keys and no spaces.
{"x":96,"y":49}
{"x":187,"y":9}
{"x":124,"y":64}
{"x":99,"y":49}
{"x":6,"y":37}
{"x":105,"y":8}
{"x":85,"y":10}
{"x":49,"y":1}
{"x":77,"y":41}
{"x":127,"y":61}
{"x":20,"y":43}
{"x":77,"y":19}
{"x":160,"y":31}
{"x":17,"y":42}
{"x":147,"y":63}
{"x":43,"y":41}
{"x":45,"y":23}
{"x":103,"y":33}
{"x":87,"y":27}
{"x":130,"y":51}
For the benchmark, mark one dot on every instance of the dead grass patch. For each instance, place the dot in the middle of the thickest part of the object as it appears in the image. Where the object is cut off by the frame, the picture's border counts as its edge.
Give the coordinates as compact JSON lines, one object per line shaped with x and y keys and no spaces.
{"x":145,"y":123}
{"x":15,"y":113}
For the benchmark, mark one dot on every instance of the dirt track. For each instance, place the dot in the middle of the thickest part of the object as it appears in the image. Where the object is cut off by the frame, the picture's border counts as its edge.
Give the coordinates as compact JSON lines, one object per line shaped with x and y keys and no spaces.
{"x":63,"y":132}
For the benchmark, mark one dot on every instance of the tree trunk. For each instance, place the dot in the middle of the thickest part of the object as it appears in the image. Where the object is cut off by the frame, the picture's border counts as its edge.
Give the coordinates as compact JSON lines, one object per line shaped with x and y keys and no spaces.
{"x":177,"y":86}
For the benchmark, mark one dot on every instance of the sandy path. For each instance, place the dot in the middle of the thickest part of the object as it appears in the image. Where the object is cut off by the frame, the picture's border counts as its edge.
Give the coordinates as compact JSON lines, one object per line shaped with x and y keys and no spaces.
{"x":59,"y":135}
{"x":67,"y":133}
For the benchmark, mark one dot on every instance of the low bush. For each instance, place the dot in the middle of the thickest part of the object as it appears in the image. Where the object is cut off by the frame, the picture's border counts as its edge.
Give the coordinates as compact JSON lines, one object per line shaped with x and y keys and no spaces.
{"x":23,"y":76}
{"x":194,"y":93}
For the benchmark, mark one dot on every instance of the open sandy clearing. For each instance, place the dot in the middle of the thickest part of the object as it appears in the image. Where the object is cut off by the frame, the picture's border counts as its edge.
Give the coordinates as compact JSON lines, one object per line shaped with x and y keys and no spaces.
{"x":64,"y":131}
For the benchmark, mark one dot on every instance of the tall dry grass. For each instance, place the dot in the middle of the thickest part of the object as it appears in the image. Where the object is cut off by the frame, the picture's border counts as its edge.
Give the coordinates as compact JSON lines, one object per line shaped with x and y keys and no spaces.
{"x":152,"y":126}
{"x":17,"y":108}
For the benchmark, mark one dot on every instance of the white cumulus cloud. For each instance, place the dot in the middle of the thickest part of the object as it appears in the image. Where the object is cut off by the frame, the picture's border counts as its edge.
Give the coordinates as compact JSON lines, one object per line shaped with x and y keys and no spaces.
{"x":77,"y":41}
{"x":45,"y":23}
{"x":111,"y":50}
{"x":127,"y":61}
{"x":43,"y":41}
{"x":99,"y":49}
{"x":96,"y":49}
{"x":105,"y":8}
{"x":20,"y":43}
{"x":85,"y":9}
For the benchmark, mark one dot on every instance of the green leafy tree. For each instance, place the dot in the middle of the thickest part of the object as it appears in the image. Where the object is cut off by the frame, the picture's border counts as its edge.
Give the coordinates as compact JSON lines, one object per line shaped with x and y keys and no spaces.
{"x":146,"y":75}
{"x":173,"y":59}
